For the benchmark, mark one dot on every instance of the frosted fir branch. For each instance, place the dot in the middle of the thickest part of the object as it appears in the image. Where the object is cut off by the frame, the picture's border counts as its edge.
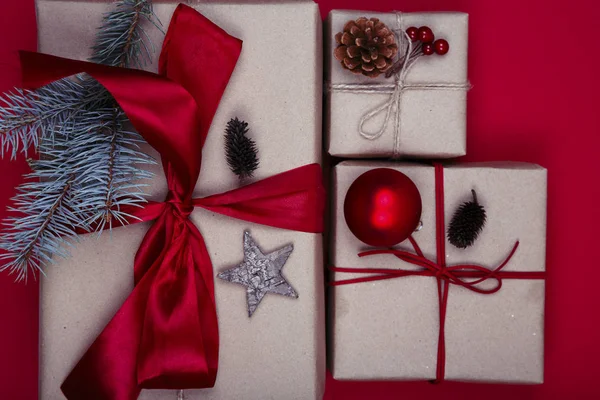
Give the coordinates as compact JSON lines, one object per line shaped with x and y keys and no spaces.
{"x":82,"y":184}
{"x":116,"y":158}
{"x":46,"y":214}
{"x":42,"y":229}
{"x":121,"y":40}
{"x":90,"y":165}
{"x":28,"y":116}
{"x":111,"y":171}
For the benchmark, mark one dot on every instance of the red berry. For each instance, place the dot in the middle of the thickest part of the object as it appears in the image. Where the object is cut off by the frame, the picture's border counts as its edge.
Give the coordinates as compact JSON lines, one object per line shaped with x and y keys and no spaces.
{"x":425,"y":34}
{"x":412,"y":33}
{"x":441,"y":46}
{"x":428,"y":49}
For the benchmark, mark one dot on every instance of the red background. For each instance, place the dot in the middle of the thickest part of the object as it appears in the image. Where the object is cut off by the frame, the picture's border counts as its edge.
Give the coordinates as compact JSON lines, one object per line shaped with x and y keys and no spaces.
{"x":535,"y":69}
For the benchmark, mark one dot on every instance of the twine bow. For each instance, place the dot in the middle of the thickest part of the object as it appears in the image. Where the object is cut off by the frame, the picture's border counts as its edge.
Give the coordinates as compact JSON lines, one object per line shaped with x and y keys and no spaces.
{"x":395,"y":91}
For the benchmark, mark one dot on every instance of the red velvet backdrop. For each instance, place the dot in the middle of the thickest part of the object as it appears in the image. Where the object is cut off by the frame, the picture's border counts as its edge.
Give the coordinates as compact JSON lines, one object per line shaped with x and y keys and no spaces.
{"x":535,"y":69}
{"x":18,"y":302}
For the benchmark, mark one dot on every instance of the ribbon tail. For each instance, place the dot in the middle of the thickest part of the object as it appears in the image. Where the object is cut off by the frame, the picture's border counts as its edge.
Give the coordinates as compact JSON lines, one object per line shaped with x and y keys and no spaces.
{"x":165,"y":336}
{"x":293,"y":200}
{"x":107,"y":371}
{"x":179,"y":347}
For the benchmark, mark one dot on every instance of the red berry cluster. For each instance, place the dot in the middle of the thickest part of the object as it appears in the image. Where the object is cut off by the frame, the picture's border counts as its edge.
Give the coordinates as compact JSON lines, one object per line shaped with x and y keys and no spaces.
{"x":425,"y":35}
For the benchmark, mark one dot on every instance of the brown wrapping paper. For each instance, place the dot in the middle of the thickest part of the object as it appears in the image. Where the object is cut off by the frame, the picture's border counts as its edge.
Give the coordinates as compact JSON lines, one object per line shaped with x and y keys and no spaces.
{"x":278,"y":353}
{"x":432,"y":122}
{"x":389,"y":329}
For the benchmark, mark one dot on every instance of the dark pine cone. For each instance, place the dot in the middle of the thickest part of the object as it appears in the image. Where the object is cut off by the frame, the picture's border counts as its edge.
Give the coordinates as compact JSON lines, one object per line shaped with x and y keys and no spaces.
{"x":366,"y":46}
{"x":467,"y":223}
{"x":240,"y":150}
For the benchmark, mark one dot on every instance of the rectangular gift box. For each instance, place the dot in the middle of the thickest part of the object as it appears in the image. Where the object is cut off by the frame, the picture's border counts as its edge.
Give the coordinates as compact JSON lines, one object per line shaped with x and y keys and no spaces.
{"x":388,"y":329}
{"x":280,"y":352}
{"x":431,"y":122}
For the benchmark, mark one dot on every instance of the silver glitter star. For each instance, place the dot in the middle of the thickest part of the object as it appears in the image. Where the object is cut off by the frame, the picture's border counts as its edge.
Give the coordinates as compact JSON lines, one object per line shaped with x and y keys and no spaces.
{"x":260,"y":273}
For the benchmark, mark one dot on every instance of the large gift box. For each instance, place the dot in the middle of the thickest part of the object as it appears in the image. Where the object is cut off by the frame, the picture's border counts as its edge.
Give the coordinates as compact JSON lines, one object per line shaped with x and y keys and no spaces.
{"x":389,"y":328}
{"x":279,"y":352}
{"x":416,"y":112}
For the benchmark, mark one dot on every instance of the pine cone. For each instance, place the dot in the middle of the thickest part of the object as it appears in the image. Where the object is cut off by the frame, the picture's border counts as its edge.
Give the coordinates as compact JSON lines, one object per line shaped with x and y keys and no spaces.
{"x":467,"y":223}
{"x":240,"y":150}
{"x":366,"y":46}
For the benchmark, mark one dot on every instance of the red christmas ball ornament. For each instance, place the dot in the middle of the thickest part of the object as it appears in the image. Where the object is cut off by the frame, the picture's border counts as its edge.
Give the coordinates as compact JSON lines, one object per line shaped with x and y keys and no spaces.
{"x":412,"y":33}
{"x":425,"y":34}
{"x":428,"y":49}
{"x":382,"y":207}
{"x":441,"y":46}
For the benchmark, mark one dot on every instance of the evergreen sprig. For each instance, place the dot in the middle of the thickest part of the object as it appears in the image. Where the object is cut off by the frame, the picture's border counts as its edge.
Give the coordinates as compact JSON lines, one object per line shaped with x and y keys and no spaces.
{"x":28,"y":116}
{"x":111,"y":170}
{"x":90,"y":165}
{"x":241,"y":151}
{"x":122,"y":40}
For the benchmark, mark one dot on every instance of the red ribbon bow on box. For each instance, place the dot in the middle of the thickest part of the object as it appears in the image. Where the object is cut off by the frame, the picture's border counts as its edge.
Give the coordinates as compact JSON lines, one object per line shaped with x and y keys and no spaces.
{"x":165,"y":336}
{"x":469,"y":276}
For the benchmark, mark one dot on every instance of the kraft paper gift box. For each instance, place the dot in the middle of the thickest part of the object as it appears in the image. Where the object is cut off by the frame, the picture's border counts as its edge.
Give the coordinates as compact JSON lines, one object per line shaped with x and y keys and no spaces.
{"x":388,"y":329}
{"x":431,"y":122}
{"x":279,"y":353}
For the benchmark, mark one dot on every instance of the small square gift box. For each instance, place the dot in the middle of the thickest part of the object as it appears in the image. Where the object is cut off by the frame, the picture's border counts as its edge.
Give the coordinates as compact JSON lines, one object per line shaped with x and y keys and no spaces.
{"x":464,"y":303}
{"x":396,"y":84}
{"x":218,"y":251}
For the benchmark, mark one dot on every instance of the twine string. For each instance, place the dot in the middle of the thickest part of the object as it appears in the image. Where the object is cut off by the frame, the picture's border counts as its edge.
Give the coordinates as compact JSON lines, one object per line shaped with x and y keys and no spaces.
{"x":395,"y":91}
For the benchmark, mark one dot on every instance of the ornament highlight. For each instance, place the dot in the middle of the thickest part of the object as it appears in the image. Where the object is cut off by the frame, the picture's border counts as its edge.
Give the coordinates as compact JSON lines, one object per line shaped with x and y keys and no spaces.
{"x":382,"y":207}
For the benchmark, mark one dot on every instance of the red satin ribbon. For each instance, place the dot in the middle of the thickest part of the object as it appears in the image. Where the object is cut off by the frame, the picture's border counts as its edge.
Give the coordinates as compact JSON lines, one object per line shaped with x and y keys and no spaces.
{"x":165,"y":336}
{"x":469,"y":276}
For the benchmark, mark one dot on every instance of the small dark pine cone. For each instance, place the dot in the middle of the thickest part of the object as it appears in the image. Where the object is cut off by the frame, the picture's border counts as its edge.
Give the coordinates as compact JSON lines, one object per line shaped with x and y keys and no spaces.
{"x":366,"y":46}
{"x":467,"y":223}
{"x":240,"y":150}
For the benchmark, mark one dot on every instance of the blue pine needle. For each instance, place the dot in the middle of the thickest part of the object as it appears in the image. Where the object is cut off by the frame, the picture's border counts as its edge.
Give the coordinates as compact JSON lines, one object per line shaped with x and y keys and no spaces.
{"x":90,"y":163}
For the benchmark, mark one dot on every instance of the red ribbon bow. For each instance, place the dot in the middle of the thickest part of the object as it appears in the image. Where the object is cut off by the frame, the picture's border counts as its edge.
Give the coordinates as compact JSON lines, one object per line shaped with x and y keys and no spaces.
{"x":469,"y":276}
{"x":166,"y":333}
